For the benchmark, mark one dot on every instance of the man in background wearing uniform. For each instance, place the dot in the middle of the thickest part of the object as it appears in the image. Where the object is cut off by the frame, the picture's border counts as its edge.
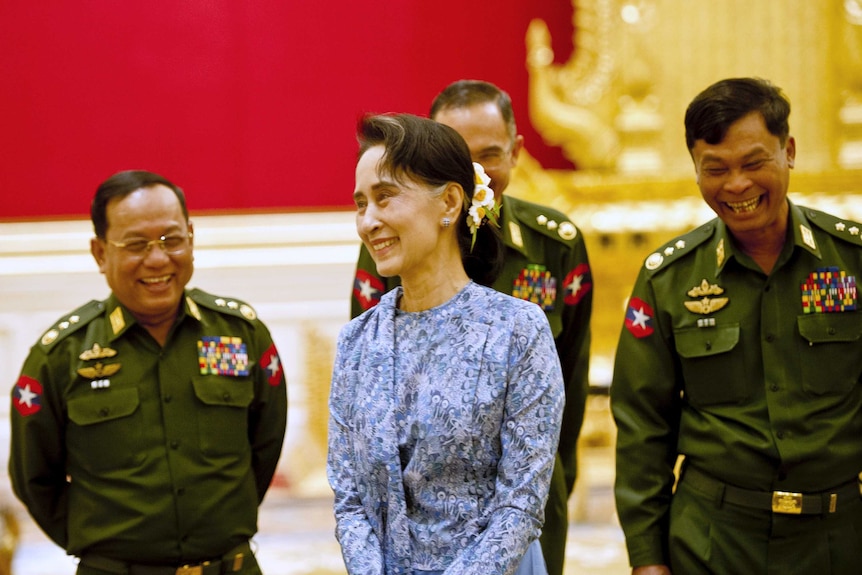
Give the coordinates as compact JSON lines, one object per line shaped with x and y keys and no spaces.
{"x":146,"y":428}
{"x":546,"y":262}
{"x":741,"y":352}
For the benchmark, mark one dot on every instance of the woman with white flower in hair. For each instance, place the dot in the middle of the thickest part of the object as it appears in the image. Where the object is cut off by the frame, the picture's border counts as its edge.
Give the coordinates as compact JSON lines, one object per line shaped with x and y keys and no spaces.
{"x":447,"y":396}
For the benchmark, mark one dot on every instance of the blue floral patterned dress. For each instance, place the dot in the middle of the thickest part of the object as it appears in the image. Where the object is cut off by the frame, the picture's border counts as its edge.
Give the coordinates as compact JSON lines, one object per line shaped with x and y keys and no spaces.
{"x":443,"y":428}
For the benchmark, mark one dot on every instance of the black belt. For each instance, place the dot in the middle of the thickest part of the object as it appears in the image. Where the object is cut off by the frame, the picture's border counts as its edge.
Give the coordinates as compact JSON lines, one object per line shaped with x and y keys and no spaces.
{"x":230,"y":562}
{"x":784,"y":502}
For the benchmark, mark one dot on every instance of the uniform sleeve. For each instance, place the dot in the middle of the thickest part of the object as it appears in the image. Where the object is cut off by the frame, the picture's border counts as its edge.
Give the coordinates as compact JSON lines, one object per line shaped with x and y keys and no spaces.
{"x":360,"y":545}
{"x":645,"y":401}
{"x":37,"y":456}
{"x":573,"y":346}
{"x":268,"y":419}
{"x":529,"y":435}
{"x":368,"y":286}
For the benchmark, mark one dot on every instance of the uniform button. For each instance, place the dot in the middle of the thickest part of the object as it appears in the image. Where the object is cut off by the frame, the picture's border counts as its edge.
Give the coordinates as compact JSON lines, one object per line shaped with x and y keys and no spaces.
{"x":780,"y":435}
{"x":104,"y":412}
{"x":175,"y":444}
{"x":226,"y":396}
{"x":831,"y":331}
{"x":774,"y":387}
{"x":181,"y":491}
{"x":767,"y":288}
{"x":168,"y":398}
{"x":770,"y":338}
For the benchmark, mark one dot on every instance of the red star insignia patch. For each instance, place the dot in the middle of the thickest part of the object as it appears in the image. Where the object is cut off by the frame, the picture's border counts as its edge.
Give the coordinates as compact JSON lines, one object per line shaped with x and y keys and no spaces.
{"x":367,"y":289}
{"x":578,"y":283}
{"x":27,"y":396}
{"x":639,"y":318}
{"x":270,"y":362}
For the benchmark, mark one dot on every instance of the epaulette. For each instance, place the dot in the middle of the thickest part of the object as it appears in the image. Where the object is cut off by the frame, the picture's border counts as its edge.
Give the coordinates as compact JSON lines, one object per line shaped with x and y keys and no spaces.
{"x":679,"y":247}
{"x":230,"y":306}
{"x":71,"y":323}
{"x":547,"y":221}
{"x":847,"y":230}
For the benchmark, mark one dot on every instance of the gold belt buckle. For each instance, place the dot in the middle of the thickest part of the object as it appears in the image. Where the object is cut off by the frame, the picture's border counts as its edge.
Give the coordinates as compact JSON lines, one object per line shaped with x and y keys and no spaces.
{"x":786,"y":502}
{"x":191,"y":569}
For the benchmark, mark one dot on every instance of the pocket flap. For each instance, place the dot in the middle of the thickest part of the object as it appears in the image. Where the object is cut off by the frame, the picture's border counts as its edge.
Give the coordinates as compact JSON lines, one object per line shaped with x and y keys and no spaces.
{"x":103,"y":406}
{"x":706,"y":341}
{"x":222,"y":390}
{"x":830,"y":327}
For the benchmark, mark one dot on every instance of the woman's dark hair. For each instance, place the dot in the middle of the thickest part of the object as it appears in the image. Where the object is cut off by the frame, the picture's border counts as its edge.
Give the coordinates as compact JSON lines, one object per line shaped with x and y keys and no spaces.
{"x":122,"y":184}
{"x":435,"y":154}
{"x":712,"y":111}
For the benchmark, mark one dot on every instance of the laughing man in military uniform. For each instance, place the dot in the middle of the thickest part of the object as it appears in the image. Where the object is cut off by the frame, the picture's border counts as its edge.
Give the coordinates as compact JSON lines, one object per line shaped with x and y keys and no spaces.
{"x":146,"y":428}
{"x":741,"y":352}
{"x":546,"y":263}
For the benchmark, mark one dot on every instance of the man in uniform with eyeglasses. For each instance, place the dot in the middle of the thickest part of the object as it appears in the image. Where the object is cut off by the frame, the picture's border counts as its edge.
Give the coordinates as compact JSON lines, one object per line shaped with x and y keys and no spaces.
{"x":146,"y":428}
{"x":546,"y":262}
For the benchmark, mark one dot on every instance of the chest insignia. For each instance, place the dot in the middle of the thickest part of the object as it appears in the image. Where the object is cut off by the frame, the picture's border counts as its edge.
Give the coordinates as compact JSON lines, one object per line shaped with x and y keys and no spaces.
{"x":536,"y":284}
{"x":705,"y":305}
{"x":719,"y":253}
{"x":99,"y":371}
{"x":828,"y":290}
{"x":97,"y":352}
{"x":222,"y":355}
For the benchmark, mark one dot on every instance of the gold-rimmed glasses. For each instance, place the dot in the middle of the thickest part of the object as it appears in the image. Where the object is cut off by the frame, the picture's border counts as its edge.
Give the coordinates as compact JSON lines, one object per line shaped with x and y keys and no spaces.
{"x":173,"y":245}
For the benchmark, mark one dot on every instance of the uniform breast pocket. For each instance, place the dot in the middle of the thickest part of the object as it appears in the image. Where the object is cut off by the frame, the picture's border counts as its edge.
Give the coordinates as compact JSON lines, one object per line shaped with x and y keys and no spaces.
{"x":105,"y":433}
{"x":713,"y":365}
{"x":223,"y":417}
{"x":830,"y":352}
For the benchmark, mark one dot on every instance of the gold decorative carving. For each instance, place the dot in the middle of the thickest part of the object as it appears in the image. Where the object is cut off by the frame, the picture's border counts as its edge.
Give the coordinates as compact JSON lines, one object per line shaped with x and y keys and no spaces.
{"x":616,"y":108}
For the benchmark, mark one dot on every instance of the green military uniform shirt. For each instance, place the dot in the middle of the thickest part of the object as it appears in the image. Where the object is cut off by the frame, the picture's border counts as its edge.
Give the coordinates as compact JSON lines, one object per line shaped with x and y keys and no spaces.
{"x":755,"y":379}
{"x":545,"y":262}
{"x":144,"y":453}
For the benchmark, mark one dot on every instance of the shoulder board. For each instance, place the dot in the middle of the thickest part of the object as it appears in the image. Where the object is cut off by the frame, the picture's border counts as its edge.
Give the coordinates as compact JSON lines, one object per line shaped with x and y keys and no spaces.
{"x":547,"y":221}
{"x":846,"y":230}
{"x":679,"y":247}
{"x":71,"y":323}
{"x":225,"y":305}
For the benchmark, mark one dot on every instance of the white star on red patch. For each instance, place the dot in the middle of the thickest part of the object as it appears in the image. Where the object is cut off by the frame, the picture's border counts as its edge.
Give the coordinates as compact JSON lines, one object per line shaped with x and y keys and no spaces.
{"x":366,"y":290}
{"x":26,"y":396}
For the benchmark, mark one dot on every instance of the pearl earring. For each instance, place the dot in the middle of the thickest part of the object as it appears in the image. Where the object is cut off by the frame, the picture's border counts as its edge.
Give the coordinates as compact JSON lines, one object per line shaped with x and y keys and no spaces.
{"x":446,"y":222}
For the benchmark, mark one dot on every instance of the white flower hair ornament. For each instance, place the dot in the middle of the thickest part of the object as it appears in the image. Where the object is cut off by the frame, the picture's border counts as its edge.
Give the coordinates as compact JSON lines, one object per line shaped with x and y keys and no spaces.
{"x":483,"y":207}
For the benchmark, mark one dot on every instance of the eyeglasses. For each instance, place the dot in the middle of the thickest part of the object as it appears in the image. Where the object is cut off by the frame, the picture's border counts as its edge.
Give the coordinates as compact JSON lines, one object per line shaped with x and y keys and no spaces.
{"x":171,"y":245}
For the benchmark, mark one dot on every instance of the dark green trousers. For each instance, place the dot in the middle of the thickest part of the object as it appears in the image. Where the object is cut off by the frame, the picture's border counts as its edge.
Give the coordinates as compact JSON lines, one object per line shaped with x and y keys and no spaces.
{"x":553,"y":538}
{"x":710,"y":536}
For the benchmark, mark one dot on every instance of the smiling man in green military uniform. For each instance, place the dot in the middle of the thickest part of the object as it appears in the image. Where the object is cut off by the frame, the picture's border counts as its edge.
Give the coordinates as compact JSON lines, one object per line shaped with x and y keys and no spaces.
{"x":146,"y":428}
{"x":742,"y":352}
{"x":546,"y":263}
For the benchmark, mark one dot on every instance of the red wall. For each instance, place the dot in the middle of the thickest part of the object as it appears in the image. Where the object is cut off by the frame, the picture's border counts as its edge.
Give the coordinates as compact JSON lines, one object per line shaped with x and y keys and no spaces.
{"x":247,"y":105}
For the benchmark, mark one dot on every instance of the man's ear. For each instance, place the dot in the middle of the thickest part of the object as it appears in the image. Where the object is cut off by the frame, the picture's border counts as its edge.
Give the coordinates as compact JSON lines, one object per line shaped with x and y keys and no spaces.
{"x":790,"y":149}
{"x":517,"y":146}
{"x":97,"y":248}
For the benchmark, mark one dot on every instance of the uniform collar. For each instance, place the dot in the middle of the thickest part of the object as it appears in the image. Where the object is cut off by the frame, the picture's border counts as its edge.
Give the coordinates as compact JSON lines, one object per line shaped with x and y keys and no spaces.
{"x":799,"y":233}
{"x":511,"y":229}
{"x":119,"y":319}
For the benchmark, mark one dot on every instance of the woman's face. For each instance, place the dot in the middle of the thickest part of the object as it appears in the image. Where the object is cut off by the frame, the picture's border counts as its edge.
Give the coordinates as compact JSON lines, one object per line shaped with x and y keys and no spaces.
{"x":400,"y":222}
